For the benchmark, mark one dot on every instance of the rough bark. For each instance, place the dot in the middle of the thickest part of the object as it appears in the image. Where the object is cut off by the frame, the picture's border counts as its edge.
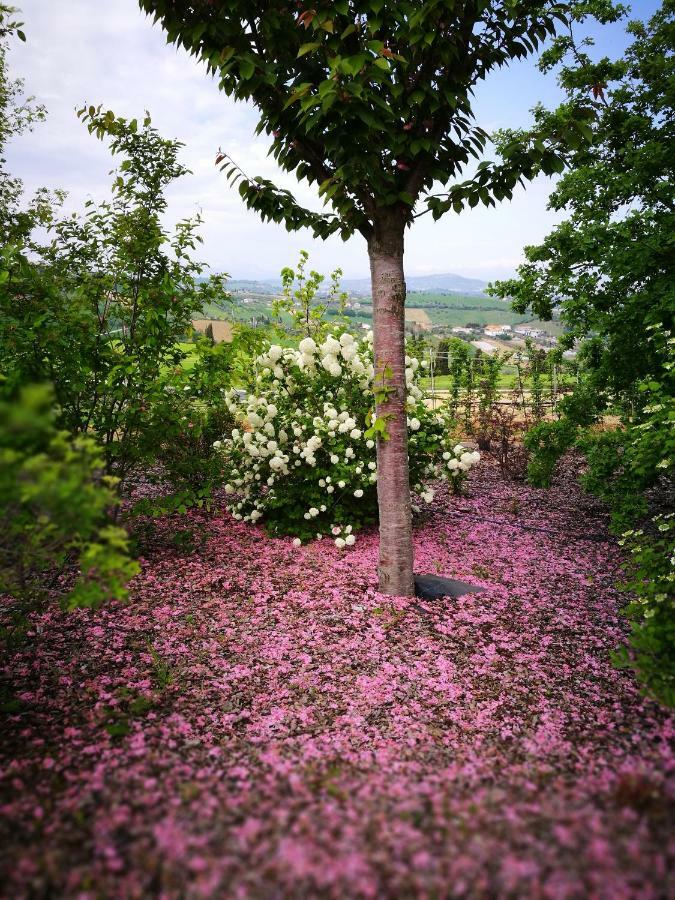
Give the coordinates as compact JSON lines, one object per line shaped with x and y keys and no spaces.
{"x":385,"y":250}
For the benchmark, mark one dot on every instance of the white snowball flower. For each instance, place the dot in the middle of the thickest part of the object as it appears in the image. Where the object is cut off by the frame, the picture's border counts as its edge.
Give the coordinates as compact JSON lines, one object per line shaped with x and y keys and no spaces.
{"x":335,"y":529}
{"x":297,"y":542}
{"x":370,"y":444}
{"x":428,"y":496}
{"x":275,"y":352}
{"x":415,"y":424}
{"x":339,"y":543}
{"x":229,"y":489}
{"x":330,"y":489}
{"x":457,"y":449}
{"x":217,"y":445}
{"x":476,"y":456}
{"x":355,"y":434}
{"x":307,"y":345}
{"x":446,"y":456}
{"x":372,"y":466}
{"x":454,"y":465}
{"x":313,"y":511}
{"x":334,"y":458}
{"x":350,"y":540}
{"x":358,"y":492}
{"x":341,"y":484}
{"x":346,"y":339}
{"x":466,"y":459}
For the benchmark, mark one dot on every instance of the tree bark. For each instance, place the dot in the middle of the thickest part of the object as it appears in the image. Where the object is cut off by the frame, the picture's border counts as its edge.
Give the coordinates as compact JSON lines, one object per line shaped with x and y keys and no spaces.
{"x":385,"y":251}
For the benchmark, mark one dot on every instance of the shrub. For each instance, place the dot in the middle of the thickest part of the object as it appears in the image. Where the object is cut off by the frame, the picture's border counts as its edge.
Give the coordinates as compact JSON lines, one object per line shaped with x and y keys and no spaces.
{"x":651,"y":568}
{"x":54,"y":506}
{"x":547,"y":442}
{"x":304,"y":459}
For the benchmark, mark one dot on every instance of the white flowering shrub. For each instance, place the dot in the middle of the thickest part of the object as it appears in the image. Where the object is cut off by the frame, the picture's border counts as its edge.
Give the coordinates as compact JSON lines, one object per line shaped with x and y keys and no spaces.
{"x":303,"y":457}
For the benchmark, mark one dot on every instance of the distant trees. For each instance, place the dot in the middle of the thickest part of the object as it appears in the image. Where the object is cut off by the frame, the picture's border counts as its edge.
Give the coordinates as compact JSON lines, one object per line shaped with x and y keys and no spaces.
{"x":372,"y":103}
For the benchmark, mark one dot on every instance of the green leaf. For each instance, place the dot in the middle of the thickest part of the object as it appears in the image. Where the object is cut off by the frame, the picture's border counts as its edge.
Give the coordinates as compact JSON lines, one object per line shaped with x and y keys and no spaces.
{"x":246,"y":69}
{"x":307,"y":48}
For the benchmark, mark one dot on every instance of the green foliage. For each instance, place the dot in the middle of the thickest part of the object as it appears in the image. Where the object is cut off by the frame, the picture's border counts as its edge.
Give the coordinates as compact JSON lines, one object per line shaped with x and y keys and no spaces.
{"x":374,"y":104}
{"x":546,"y":443}
{"x":54,"y":510}
{"x":299,"y":301}
{"x":100,"y":311}
{"x":651,"y":568}
{"x":607,"y":266}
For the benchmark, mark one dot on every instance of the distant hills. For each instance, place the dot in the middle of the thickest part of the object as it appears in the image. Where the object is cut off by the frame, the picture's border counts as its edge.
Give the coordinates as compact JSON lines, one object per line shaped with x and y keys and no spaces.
{"x":439,"y":284}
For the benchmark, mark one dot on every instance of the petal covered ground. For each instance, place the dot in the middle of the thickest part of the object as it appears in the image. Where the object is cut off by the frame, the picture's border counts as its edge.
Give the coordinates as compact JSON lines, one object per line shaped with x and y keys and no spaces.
{"x":259,"y":722}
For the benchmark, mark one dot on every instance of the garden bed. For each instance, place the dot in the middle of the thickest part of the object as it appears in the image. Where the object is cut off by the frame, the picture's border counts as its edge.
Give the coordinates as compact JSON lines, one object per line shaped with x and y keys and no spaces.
{"x":258,"y":721}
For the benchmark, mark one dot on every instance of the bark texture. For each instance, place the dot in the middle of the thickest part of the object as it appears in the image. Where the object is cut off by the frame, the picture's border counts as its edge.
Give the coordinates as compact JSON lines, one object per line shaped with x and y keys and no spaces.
{"x":385,"y":250}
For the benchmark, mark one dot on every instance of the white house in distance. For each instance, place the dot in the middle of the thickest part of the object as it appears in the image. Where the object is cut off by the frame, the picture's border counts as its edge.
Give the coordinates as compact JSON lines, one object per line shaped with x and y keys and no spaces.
{"x":460,"y":330}
{"x":496,"y":330}
{"x":485,"y":347}
{"x":523,"y":330}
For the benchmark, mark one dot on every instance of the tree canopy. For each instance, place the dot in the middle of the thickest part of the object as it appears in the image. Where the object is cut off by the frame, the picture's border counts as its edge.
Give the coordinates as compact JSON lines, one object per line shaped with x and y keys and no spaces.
{"x":372,"y":100}
{"x":608,"y":265}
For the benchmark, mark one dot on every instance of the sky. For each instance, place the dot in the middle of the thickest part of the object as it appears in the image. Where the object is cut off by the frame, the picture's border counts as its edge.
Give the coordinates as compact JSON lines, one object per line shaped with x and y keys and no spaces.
{"x":108,"y":52}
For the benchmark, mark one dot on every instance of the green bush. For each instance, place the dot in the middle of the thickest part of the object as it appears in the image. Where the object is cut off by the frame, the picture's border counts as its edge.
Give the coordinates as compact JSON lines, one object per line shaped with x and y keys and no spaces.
{"x":546,"y":443}
{"x":651,"y":568}
{"x":54,"y":510}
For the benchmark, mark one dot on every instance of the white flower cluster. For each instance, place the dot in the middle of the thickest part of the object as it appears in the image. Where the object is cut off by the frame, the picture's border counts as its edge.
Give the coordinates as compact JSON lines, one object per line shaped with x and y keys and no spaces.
{"x":461,"y":459}
{"x":301,"y":457}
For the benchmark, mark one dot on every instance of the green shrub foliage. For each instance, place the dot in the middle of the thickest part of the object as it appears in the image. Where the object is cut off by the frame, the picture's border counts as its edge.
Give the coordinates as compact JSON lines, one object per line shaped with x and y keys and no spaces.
{"x":54,"y":510}
{"x":546,"y":443}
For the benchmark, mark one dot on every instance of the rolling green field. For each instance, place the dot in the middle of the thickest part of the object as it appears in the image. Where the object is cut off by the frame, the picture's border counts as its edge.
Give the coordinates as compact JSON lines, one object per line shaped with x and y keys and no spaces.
{"x":444,"y":310}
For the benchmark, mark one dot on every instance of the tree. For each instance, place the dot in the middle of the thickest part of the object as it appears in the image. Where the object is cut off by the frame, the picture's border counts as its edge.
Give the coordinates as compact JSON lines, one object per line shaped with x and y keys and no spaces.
{"x":100,"y":311}
{"x":608,"y":266}
{"x":372,"y":102}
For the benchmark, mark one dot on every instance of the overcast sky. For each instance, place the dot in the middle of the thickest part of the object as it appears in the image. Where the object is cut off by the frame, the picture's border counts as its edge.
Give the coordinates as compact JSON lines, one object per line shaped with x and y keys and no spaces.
{"x":107,"y":51}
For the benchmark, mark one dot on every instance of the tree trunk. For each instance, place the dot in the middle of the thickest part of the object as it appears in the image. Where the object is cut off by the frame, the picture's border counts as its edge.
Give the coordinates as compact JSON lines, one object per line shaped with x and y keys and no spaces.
{"x":385,"y":250}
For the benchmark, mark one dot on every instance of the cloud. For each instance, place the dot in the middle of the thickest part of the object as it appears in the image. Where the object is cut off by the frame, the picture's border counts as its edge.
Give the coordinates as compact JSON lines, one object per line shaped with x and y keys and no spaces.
{"x":110,"y":53}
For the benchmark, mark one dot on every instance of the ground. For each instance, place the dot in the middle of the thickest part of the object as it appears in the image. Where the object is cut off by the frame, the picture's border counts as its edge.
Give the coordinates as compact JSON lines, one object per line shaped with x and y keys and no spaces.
{"x":259,"y":722}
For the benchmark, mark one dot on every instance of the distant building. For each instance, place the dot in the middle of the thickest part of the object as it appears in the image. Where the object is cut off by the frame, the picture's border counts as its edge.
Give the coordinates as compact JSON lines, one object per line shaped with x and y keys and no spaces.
{"x":529,"y":332}
{"x":484,"y":346}
{"x":496,"y":330}
{"x":460,"y":330}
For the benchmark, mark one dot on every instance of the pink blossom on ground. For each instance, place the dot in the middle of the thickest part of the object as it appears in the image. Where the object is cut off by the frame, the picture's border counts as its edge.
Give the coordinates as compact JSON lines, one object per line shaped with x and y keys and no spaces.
{"x":258,"y":721}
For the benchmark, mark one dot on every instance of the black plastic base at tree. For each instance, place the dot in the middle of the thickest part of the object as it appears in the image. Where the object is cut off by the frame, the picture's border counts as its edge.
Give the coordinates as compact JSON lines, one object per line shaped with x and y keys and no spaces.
{"x":433,"y":587}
